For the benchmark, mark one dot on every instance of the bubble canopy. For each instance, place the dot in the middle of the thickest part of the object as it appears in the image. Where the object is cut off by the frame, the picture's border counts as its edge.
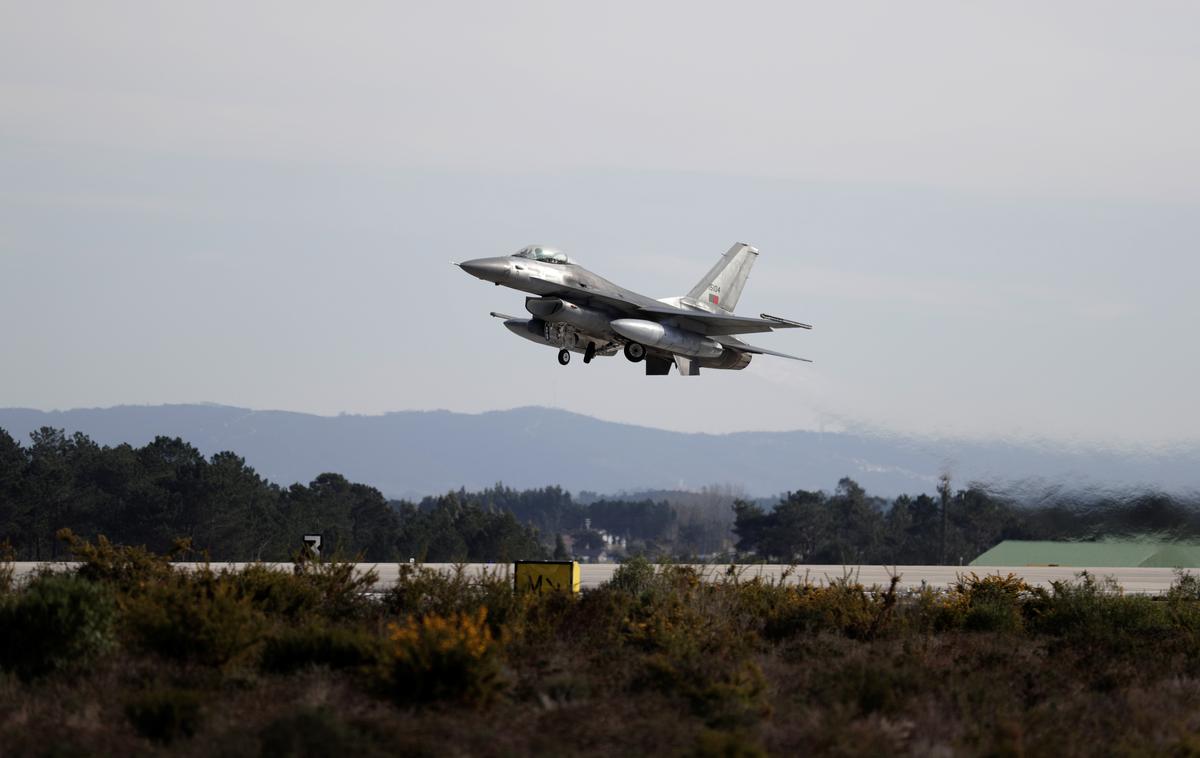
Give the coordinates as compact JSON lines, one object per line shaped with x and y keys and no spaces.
{"x":543,"y":254}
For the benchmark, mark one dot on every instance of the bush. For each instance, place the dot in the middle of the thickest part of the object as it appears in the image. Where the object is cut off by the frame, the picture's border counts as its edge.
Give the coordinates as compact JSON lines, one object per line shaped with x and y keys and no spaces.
{"x":531,"y":621}
{"x":421,"y":591}
{"x":337,"y":647}
{"x":197,"y":616}
{"x":1093,"y":613}
{"x":166,"y":715}
{"x":443,"y":658}
{"x":1186,"y":587}
{"x":313,"y":589}
{"x":725,"y":691}
{"x":343,"y":592}
{"x":991,"y":603}
{"x":843,"y":606}
{"x":635,"y":577}
{"x":57,"y":622}
{"x":129,"y":570}
{"x":876,"y":684}
{"x":7,"y":570}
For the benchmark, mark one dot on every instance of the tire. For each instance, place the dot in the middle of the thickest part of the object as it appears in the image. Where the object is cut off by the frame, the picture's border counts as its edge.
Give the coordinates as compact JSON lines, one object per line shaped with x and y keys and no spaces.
{"x":634,"y":351}
{"x":564,"y":356}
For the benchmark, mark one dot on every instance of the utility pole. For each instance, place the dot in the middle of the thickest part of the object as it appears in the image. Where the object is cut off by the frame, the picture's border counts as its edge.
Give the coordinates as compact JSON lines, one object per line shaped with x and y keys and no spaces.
{"x":944,"y":491}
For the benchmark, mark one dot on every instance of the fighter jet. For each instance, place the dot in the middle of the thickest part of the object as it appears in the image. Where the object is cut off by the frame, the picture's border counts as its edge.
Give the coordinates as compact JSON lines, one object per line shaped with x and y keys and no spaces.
{"x":579,"y":312}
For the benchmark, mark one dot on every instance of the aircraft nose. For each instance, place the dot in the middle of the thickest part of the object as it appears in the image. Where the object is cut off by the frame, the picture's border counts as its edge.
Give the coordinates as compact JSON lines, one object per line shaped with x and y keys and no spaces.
{"x":488,"y":269}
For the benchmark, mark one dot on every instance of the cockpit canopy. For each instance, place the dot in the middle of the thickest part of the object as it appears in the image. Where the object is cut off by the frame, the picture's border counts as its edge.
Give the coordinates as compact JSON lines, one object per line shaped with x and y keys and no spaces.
{"x":543,"y":254}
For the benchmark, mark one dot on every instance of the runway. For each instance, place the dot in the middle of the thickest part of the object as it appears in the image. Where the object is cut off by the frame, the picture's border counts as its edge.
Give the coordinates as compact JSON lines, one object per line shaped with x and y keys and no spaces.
{"x":1148,"y":581}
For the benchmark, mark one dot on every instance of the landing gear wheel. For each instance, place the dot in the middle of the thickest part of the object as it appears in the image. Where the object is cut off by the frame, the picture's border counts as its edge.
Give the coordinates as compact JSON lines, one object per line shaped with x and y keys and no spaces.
{"x":590,"y":353}
{"x":564,"y":356}
{"x":634,"y":352}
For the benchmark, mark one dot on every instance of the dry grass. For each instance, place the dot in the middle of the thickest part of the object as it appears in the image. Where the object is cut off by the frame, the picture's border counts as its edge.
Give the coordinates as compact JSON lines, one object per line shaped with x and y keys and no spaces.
{"x":656,"y":663}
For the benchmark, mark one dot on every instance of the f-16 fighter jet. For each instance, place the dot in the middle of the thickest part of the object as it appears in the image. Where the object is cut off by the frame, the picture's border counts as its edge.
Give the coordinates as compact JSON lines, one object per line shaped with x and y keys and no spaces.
{"x":577,"y":311}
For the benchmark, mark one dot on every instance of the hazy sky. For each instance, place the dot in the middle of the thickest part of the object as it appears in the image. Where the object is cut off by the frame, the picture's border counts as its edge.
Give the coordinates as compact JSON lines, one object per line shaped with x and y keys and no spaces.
{"x":989,"y":211}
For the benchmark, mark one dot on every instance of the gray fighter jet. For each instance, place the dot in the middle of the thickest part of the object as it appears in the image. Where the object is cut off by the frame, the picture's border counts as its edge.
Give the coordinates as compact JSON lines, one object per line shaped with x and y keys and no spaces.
{"x":577,"y":311}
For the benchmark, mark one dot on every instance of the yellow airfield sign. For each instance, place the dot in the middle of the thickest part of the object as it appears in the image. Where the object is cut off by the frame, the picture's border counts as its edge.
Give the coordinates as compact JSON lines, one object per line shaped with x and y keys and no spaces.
{"x":546,"y":576}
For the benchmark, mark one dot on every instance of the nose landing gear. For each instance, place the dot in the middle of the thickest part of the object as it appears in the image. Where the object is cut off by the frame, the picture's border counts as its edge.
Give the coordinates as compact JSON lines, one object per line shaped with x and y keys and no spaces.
{"x":564,"y":356}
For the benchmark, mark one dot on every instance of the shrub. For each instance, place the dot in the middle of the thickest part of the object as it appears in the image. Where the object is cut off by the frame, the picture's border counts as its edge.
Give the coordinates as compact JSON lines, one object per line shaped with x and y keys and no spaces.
{"x":1186,"y":587}
{"x":990,"y":603}
{"x":326,"y":589}
{"x":337,"y":647}
{"x":341,"y":589}
{"x":197,"y":616}
{"x":1072,"y":605}
{"x":876,"y":684}
{"x":1093,"y":613}
{"x":1183,"y":607}
{"x":595,"y":618}
{"x":437,"y":658}
{"x":725,"y":691}
{"x":635,"y":577}
{"x":842,"y":606}
{"x":58,"y":621}
{"x":7,"y":570}
{"x":529,"y":621}
{"x":420,"y":591}
{"x":166,"y":715}
{"x":128,"y":569}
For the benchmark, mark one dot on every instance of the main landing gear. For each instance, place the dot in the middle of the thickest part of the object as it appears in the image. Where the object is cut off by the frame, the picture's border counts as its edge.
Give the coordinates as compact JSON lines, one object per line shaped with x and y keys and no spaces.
{"x":634,"y":351}
{"x":564,"y":355}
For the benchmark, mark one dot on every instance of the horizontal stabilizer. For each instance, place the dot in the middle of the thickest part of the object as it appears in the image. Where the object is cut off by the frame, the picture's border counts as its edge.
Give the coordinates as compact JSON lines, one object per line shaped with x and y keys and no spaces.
{"x":783,"y":322}
{"x":737,"y":344}
{"x":507,"y":317}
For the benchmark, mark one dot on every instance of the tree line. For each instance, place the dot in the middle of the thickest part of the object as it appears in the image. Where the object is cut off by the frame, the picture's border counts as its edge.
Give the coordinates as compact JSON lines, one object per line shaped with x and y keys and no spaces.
{"x":167,"y":489}
{"x":848,"y":526}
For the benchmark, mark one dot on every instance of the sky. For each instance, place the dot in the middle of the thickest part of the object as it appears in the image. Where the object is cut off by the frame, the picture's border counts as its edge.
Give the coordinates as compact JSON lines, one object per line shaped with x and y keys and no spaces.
{"x":990,"y":212}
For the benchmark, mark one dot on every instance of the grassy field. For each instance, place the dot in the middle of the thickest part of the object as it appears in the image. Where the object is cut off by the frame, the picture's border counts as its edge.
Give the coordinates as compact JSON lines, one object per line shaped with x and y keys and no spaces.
{"x":127,"y":656}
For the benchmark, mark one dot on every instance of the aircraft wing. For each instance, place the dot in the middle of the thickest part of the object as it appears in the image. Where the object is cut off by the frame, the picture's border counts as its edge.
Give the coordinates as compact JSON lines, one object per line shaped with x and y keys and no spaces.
{"x":714,"y":325}
{"x":703,"y":322}
{"x":737,"y":344}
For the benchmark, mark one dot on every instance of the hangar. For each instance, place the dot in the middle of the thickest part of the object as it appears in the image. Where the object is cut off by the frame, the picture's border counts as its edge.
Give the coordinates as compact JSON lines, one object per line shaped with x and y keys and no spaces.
{"x":1129,"y":553}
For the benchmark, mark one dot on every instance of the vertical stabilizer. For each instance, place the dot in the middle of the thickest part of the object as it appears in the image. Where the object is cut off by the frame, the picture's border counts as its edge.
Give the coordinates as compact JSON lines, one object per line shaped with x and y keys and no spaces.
{"x":721,"y":287}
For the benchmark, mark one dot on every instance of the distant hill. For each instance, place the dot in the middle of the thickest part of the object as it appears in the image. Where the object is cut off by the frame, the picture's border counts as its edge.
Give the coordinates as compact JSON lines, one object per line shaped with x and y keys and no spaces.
{"x":414,"y":453}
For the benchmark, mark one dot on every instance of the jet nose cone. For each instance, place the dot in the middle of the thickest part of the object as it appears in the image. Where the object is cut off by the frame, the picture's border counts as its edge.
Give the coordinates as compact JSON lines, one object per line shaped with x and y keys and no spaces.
{"x":488,"y":269}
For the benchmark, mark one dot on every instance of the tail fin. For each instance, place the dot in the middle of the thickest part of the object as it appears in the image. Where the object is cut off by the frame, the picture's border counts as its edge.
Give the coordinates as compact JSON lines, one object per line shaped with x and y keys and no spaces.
{"x":722,"y":285}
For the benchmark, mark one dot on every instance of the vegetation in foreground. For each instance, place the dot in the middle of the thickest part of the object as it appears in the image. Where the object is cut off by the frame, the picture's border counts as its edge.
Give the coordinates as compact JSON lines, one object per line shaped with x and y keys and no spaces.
{"x":128,"y":655}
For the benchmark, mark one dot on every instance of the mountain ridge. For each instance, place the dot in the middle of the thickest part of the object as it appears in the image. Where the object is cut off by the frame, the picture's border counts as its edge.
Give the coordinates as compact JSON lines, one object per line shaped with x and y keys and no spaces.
{"x":413,"y":453}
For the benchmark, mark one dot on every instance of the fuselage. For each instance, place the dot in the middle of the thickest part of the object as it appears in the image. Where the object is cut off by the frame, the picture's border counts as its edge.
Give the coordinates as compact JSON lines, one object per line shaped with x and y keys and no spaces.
{"x":540,"y":278}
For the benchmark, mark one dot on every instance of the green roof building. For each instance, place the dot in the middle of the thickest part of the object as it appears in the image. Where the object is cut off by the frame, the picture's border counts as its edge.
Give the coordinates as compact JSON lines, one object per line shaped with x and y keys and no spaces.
{"x":1107,"y":553}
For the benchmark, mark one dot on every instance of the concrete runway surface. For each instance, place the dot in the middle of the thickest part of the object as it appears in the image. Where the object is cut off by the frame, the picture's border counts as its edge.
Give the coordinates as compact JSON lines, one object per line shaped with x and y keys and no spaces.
{"x":1150,"y":581}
